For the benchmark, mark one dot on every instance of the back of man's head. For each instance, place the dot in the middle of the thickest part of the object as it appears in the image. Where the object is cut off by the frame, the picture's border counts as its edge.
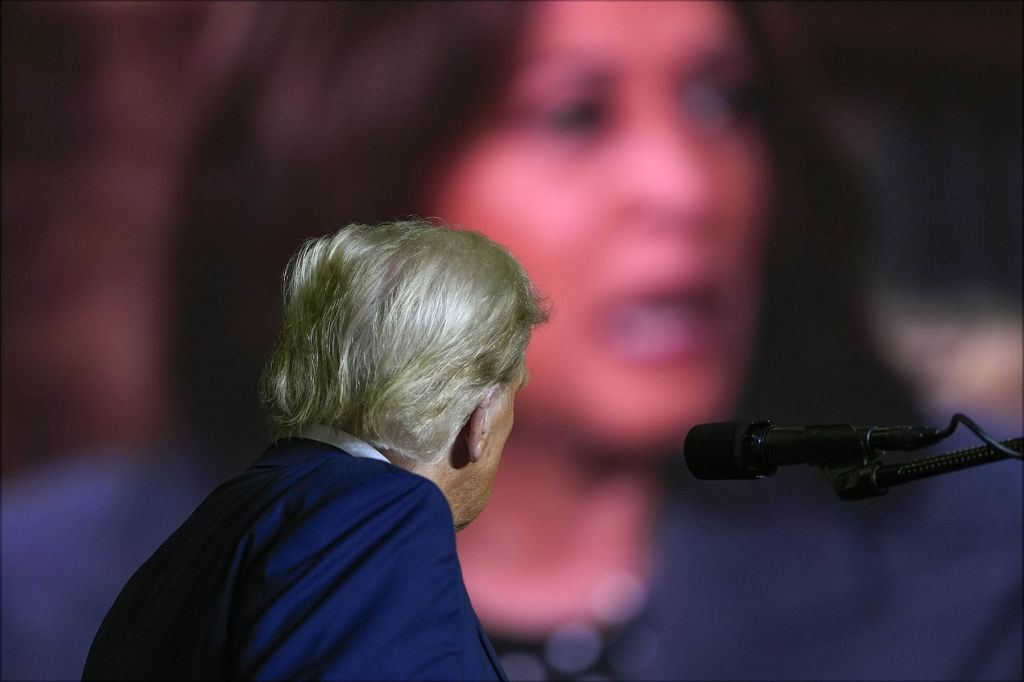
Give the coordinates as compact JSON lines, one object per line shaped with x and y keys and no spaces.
{"x":394,"y":333}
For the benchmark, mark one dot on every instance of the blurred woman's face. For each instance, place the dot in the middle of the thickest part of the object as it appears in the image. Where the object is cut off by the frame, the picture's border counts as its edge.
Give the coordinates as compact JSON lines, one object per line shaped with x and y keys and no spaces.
{"x":625,"y":172}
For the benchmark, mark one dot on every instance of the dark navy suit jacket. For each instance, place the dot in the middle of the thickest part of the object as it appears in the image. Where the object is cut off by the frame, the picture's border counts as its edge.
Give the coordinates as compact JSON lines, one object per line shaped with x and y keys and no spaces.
{"x":311,"y":564}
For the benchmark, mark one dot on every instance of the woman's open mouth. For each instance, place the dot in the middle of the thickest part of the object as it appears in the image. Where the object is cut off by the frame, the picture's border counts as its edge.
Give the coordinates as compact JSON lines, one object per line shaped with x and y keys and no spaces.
{"x":662,"y":326}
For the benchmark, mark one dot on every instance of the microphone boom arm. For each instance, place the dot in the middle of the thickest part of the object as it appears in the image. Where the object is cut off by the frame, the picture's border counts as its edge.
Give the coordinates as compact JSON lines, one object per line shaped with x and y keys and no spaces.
{"x":873,"y":478}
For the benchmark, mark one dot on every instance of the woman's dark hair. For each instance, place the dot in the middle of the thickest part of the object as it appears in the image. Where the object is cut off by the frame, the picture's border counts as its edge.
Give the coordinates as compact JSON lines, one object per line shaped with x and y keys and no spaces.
{"x":814,"y":360}
{"x":333,"y":113}
{"x":339,"y":112}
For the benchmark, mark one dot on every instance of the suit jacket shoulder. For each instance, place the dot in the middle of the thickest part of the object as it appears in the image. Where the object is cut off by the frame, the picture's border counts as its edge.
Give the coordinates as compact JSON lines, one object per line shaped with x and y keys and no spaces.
{"x":312,"y":564}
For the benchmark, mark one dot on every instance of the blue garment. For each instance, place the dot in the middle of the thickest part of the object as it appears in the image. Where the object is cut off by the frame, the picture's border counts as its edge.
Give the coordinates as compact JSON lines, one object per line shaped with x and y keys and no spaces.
{"x":773,"y":579}
{"x":311,"y":564}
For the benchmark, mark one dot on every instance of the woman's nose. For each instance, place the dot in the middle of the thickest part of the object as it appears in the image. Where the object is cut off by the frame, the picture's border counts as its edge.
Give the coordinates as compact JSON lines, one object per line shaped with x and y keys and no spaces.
{"x":663,"y":177}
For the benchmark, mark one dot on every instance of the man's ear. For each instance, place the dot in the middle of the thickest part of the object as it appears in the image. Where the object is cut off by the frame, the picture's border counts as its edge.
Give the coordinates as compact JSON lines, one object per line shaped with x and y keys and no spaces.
{"x":470,"y":442}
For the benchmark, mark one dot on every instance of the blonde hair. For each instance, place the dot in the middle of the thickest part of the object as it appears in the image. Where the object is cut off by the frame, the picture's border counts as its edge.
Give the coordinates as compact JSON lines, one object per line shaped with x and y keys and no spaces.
{"x":394,"y":333}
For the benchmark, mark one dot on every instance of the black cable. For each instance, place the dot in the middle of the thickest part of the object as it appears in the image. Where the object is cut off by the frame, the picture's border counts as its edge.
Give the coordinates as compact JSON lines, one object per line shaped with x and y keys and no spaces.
{"x":979,"y":432}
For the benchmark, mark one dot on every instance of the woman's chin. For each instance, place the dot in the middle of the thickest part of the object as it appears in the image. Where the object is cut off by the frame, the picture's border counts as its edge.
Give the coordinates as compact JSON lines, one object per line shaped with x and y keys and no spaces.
{"x":655,"y":427}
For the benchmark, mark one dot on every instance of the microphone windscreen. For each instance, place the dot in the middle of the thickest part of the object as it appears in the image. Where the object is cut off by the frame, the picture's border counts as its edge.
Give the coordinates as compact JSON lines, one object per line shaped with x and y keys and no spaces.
{"x":714,"y":451}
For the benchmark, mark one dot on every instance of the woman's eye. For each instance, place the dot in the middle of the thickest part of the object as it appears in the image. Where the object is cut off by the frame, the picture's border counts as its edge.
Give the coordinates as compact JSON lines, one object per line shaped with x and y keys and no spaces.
{"x":577,"y":118}
{"x":715,"y":106}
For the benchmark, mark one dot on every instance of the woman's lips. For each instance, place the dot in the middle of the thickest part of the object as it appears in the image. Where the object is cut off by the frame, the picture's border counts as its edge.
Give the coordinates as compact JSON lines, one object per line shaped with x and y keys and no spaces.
{"x":661,"y":327}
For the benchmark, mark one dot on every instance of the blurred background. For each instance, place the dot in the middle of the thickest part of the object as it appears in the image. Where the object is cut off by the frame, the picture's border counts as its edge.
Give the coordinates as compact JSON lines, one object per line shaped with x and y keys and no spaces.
{"x":103,"y":101}
{"x":99,"y":99}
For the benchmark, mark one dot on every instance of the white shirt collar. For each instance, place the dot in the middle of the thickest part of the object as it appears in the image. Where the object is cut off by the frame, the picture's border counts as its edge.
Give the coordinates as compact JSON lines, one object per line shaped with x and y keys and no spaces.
{"x":341,"y":440}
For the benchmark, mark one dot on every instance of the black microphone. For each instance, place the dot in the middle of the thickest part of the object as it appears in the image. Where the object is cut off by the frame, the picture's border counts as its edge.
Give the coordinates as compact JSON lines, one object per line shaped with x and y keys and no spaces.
{"x":755,"y":449}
